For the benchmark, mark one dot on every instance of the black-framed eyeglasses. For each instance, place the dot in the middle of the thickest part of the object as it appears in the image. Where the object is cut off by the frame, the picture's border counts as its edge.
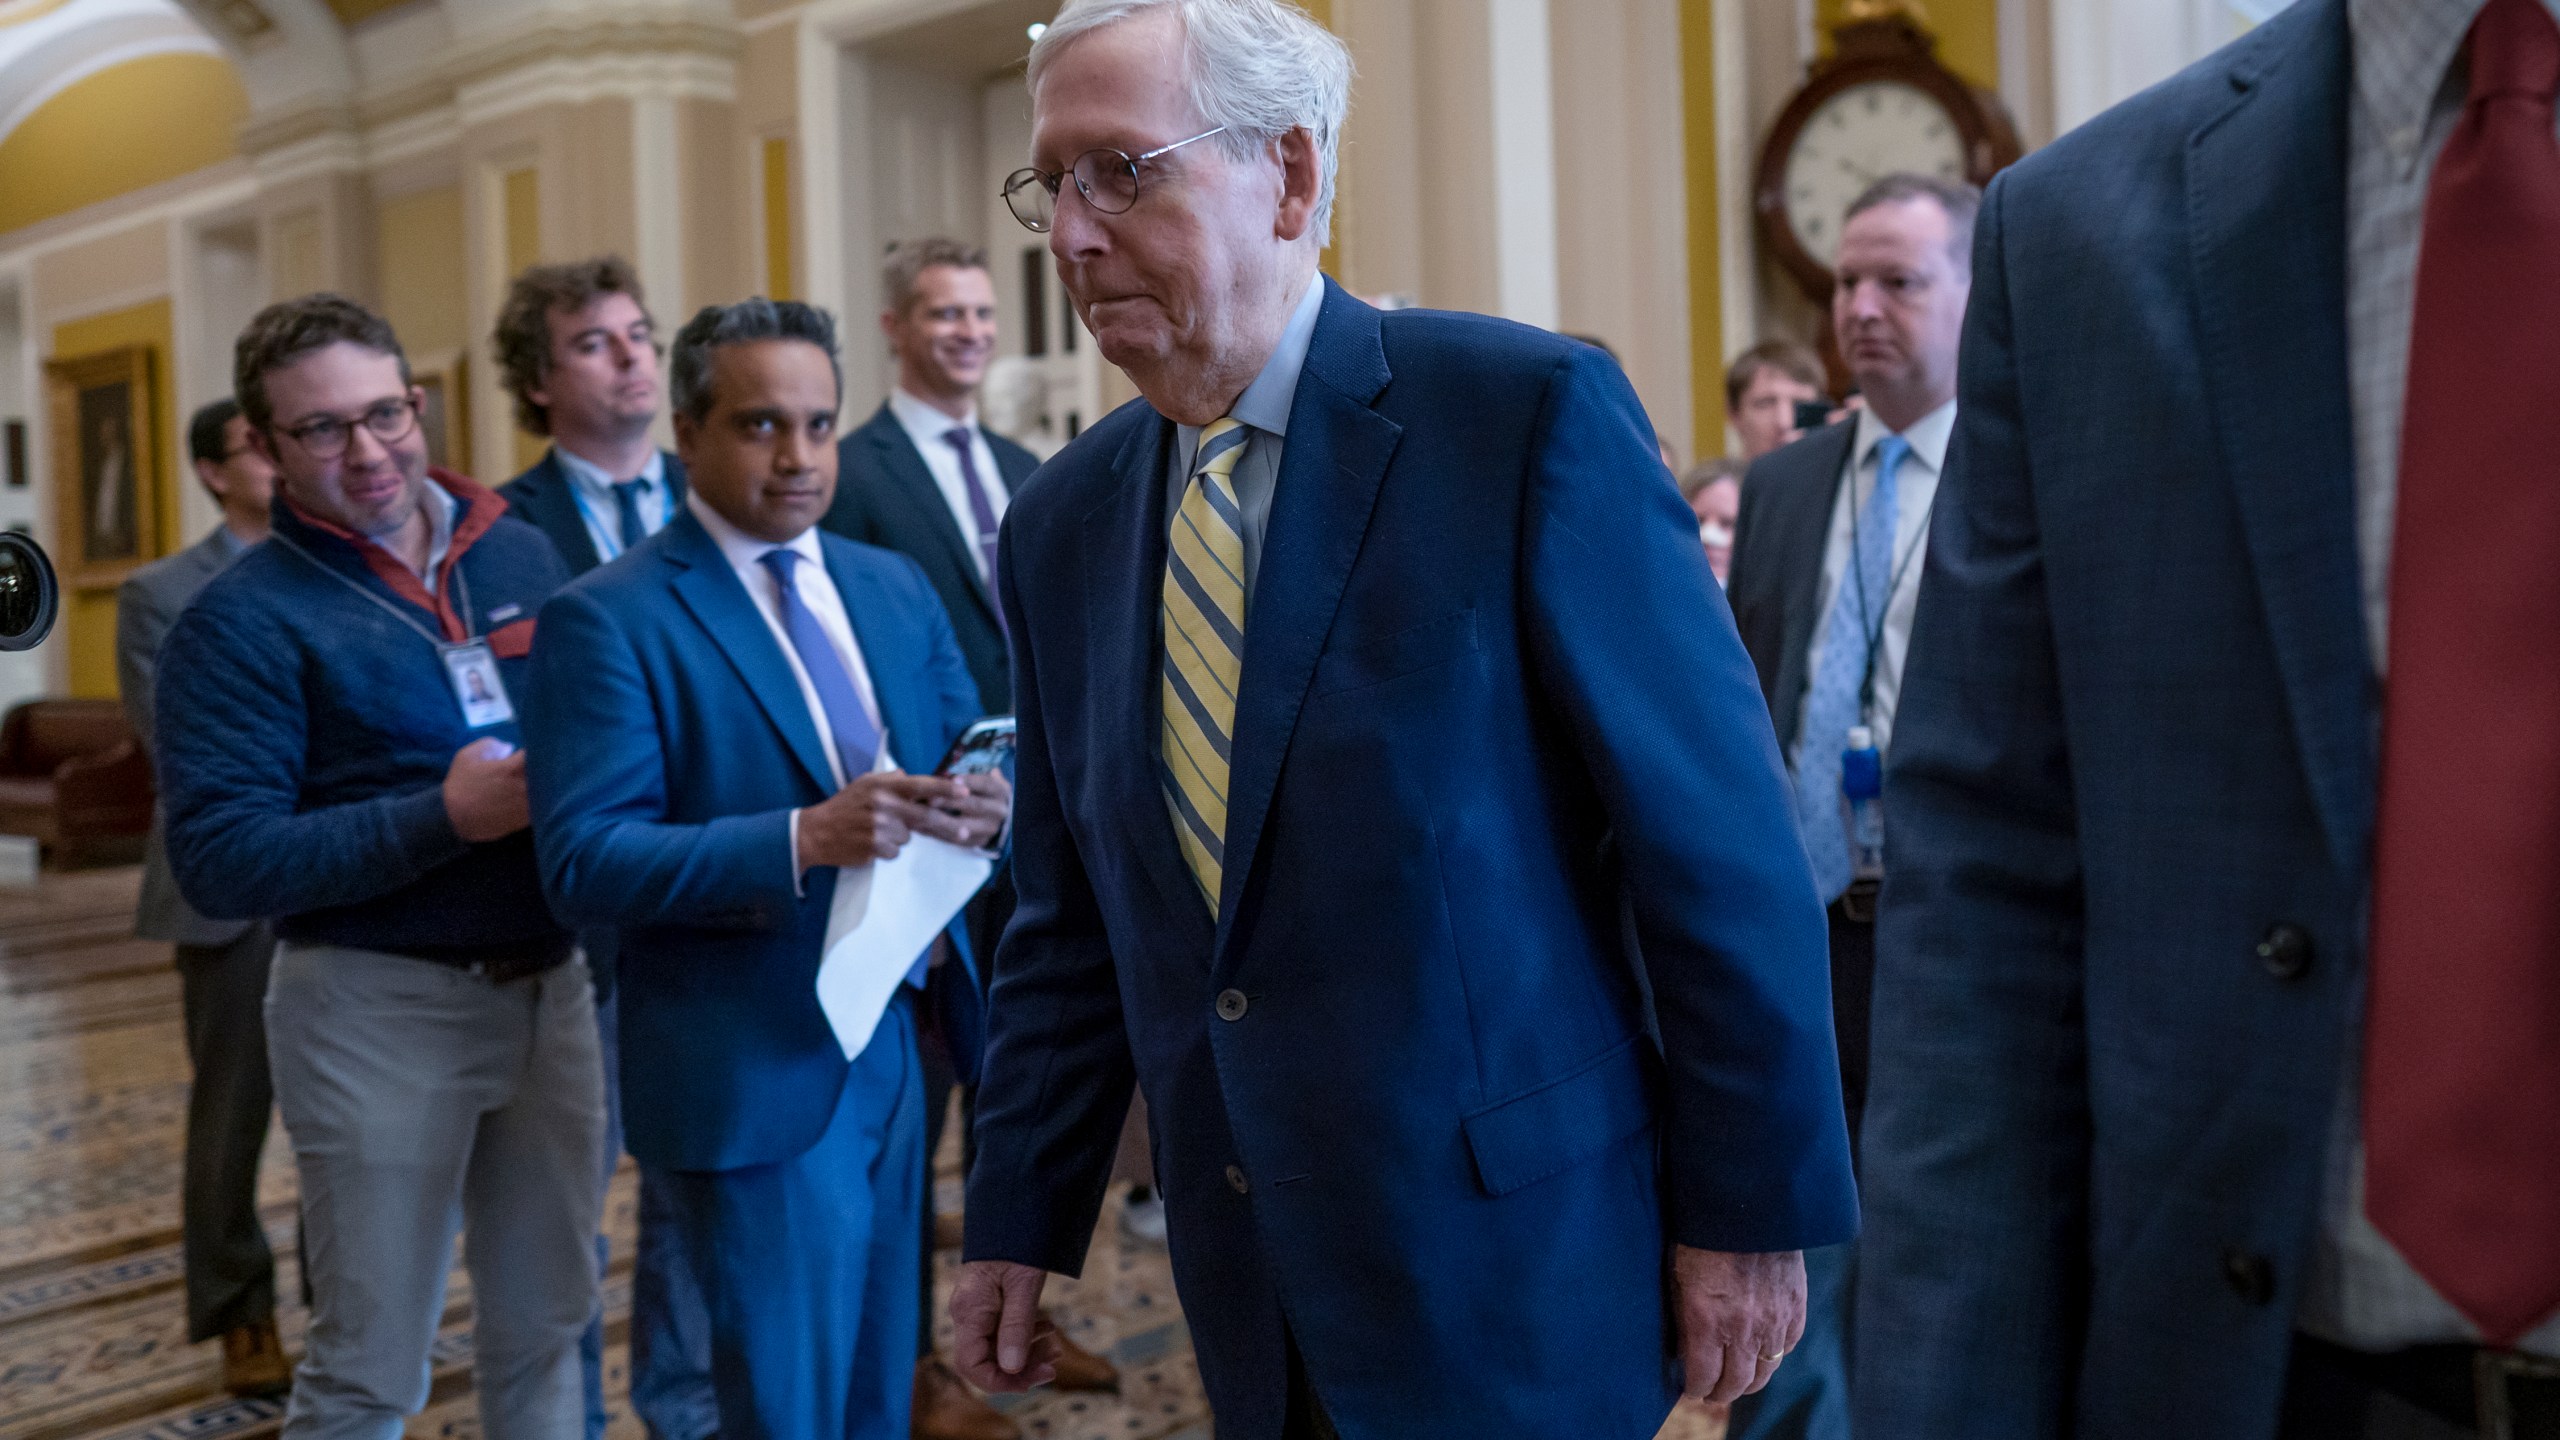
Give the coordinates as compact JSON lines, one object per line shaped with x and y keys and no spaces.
{"x":1107,"y":179}
{"x":327,"y":437}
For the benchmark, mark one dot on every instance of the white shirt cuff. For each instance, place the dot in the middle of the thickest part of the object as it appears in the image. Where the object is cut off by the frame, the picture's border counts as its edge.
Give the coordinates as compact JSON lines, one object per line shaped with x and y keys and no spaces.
{"x":799,"y":886}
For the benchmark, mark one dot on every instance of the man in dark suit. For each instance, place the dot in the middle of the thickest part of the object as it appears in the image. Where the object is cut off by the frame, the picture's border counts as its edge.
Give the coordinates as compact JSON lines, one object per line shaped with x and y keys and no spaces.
{"x":1826,"y":576}
{"x":924,"y":478}
{"x":222,"y":964}
{"x":2217,"y":1090}
{"x":578,"y":353}
{"x":718,"y":727}
{"x":1383,"y":882}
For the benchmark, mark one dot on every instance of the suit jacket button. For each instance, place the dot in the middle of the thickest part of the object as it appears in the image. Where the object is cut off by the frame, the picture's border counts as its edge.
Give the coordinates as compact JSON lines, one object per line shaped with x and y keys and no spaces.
{"x":2250,"y":1277}
{"x":1235,"y":1179}
{"x":1231,"y":1004}
{"x":2286,"y":951}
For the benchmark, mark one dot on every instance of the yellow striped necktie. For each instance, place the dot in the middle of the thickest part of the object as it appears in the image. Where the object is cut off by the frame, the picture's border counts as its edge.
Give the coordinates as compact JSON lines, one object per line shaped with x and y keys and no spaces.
{"x":1204,"y":652}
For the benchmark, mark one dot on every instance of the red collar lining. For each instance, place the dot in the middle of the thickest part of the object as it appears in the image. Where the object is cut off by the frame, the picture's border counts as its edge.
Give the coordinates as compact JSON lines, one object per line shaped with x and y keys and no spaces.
{"x":481,"y":507}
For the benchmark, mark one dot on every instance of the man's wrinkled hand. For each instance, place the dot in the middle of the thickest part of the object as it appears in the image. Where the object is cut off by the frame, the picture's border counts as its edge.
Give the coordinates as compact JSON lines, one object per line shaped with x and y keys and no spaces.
{"x":1000,"y":1341}
{"x":1739,"y":1315}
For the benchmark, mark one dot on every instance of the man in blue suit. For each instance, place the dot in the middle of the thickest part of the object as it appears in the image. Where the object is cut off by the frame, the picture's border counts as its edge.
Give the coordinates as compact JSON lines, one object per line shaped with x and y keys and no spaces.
{"x":578,"y":354}
{"x":2177,"y":870}
{"x":725,"y":728}
{"x":1398,"y":809}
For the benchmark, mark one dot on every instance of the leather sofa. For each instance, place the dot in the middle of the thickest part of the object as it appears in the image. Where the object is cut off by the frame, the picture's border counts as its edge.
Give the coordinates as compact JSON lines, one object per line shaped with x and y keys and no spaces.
{"x":73,"y":777}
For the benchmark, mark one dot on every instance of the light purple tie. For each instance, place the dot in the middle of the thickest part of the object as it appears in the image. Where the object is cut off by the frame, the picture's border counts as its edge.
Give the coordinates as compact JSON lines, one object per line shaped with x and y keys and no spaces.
{"x":982,"y":510}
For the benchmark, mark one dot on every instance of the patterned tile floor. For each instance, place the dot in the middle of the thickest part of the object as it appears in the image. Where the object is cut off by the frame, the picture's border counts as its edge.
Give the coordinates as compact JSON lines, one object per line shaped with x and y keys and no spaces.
{"x":93,"y":1083}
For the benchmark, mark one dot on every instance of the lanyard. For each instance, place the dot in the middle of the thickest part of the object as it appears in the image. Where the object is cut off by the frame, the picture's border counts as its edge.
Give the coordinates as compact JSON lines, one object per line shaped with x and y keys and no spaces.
{"x":461,"y":590}
{"x":1873,"y":621}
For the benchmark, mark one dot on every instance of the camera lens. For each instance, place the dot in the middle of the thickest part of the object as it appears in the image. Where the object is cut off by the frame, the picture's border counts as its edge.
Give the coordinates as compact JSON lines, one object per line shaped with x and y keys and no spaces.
{"x":27,"y":592}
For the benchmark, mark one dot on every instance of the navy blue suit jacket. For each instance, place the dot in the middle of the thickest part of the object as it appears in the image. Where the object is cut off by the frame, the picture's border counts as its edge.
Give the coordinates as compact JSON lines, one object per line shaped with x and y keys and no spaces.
{"x":2136,"y":734}
{"x":1432,"y":1135}
{"x":545,"y":495}
{"x":667,"y":744}
{"x":885,"y":496}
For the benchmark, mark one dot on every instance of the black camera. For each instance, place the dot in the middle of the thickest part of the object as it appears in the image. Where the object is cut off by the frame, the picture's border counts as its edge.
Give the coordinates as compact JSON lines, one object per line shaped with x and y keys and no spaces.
{"x":1812,"y":415}
{"x":29,"y":595}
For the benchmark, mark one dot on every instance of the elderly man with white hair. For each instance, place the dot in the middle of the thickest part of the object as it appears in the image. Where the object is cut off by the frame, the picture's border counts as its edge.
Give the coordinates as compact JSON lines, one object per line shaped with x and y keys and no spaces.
{"x":1396,"y":808}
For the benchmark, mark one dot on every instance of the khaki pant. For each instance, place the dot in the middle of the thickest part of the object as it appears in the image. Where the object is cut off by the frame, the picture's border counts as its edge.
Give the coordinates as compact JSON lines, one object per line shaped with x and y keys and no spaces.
{"x":424,"y":1101}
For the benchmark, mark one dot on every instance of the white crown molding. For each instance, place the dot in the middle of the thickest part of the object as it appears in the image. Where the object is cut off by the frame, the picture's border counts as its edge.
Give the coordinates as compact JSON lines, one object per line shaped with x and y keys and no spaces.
{"x":188,"y":196}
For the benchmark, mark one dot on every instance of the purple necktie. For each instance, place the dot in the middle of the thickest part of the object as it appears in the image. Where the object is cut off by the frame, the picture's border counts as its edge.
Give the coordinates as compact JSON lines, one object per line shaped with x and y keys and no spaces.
{"x":982,"y":510}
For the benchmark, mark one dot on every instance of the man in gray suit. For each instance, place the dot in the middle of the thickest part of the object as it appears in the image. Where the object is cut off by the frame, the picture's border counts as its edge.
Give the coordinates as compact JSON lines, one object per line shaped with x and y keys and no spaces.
{"x":222,"y":964}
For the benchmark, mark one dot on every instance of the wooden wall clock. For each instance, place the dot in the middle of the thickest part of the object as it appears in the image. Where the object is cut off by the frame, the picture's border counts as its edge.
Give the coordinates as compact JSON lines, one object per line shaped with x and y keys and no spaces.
{"x":1880,"y":104}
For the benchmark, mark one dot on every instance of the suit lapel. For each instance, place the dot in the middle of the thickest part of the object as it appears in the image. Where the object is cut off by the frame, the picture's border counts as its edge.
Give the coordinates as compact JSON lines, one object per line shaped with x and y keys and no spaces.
{"x":1124,"y":557}
{"x":672,"y":471}
{"x":2266,"y":201}
{"x":711,"y":591}
{"x":911,"y":482}
{"x":551,"y":501}
{"x":1331,"y":466}
{"x":1807,"y":536}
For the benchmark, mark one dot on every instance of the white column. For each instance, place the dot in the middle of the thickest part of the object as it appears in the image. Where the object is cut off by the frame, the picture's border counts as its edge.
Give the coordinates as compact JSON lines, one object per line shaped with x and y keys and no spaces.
{"x":1737,"y":242}
{"x":1524,"y":161}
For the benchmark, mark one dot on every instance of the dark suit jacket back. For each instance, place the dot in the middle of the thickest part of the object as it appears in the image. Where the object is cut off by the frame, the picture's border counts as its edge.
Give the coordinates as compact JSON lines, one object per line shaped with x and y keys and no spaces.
{"x":147,"y":604}
{"x":1776,"y":581}
{"x":886,"y":497}
{"x":547,"y":496}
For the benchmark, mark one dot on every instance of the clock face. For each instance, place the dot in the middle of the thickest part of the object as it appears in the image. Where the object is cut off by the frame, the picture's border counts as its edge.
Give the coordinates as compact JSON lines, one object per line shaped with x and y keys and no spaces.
{"x":1856,"y":138}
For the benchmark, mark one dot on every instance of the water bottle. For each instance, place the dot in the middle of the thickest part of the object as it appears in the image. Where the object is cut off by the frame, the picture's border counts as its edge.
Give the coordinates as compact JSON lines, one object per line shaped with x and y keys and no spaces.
{"x":1862,"y":803}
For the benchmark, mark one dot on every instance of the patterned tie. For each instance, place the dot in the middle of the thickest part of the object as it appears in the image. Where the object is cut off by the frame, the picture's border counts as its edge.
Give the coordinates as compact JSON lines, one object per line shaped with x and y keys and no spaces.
{"x":857,"y":739}
{"x":982,"y":510}
{"x":1204,"y":651}
{"x":1835,"y":701}
{"x":626,"y":511}
{"x":2462,"y":1031}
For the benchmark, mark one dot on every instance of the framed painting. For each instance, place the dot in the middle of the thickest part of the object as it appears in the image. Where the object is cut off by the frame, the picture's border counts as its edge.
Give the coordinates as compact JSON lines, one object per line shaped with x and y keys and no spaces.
{"x":445,"y":417}
{"x":105,"y":455}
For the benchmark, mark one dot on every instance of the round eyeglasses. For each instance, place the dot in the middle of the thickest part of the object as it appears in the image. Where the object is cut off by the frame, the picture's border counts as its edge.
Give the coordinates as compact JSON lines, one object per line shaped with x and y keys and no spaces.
{"x":327,"y":437}
{"x":1107,"y":179}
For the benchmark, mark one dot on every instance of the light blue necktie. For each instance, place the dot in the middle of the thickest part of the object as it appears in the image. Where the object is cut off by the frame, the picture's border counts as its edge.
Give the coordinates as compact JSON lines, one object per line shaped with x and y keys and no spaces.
{"x":857,"y":739}
{"x":1832,"y":705}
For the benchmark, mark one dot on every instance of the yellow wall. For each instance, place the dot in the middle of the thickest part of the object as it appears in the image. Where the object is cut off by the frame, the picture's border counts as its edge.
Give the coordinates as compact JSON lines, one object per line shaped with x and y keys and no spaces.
{"x":1968,"y":34}
{"x":1706,"y":248}
{"x":777,"y":220}
{"x":420,"y":245}
{"x":89,"y":615}
{"x":135,"y":124}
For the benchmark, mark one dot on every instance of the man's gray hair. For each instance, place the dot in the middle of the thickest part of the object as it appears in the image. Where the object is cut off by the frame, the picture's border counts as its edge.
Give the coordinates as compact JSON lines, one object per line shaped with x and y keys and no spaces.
{"x":689,"y":362}
{"x":1261,"y":68}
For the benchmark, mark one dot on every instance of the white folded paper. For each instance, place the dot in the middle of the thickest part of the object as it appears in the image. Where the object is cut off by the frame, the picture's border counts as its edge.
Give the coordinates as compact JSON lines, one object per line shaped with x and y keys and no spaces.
{"x":876,"y":930}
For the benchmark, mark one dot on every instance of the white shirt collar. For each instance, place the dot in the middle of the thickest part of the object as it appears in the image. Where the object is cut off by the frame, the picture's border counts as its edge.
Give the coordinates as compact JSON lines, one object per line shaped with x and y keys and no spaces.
{"x":441,"y":508}
{"x":599,"y":482}
{"x":742,"y":550}
{"x":1928,"y":435}
{"x":925,"y":421}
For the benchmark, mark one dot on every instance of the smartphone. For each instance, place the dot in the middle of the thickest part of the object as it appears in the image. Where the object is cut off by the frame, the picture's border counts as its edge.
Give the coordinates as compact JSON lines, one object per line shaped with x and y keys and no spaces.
{"x":1812,"y":415}
{"x":982,"y":747}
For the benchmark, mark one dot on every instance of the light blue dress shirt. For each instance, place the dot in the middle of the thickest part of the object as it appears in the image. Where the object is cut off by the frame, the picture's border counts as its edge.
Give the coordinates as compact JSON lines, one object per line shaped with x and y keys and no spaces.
{"x":593,"y":488}
{"x":1264,"y":405}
